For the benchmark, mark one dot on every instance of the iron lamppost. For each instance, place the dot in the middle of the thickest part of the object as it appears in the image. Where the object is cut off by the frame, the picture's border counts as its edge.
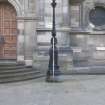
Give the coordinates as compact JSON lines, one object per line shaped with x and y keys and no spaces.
{"x":53,"y":68}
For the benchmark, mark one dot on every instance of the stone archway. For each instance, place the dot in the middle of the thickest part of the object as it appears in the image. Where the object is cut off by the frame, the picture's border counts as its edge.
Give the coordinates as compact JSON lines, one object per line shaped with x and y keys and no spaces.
{"x":20,"y":27}
{"x":8,"y":31}
{"x":16,"y":4}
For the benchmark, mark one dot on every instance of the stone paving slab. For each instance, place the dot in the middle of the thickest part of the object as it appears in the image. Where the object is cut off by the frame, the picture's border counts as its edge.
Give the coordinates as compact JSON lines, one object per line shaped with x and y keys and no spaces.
{"x":73,"y":90}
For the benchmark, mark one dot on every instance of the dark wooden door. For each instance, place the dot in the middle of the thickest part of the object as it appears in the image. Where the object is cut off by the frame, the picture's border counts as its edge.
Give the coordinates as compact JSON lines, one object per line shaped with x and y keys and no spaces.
{"x":8,"y":30}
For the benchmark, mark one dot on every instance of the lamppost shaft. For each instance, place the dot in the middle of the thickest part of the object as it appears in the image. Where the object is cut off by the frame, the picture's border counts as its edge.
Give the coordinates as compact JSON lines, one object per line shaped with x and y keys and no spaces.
{"x":54,"y":28}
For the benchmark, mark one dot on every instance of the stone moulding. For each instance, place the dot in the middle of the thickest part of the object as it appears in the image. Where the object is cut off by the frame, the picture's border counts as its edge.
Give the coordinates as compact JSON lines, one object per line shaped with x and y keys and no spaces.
{"x":17,"y":6}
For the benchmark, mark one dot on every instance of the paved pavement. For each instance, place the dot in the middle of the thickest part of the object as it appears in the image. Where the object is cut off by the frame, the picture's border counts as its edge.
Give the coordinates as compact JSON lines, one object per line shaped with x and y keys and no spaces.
{"x":74,"y":90}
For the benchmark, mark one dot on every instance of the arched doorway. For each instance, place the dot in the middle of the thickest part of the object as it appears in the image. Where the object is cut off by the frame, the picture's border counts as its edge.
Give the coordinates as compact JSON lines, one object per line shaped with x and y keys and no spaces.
{"x":8,"y":31}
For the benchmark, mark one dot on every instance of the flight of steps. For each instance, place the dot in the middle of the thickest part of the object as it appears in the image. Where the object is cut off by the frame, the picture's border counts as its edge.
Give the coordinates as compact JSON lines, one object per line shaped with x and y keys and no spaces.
{"x":12,"y":72}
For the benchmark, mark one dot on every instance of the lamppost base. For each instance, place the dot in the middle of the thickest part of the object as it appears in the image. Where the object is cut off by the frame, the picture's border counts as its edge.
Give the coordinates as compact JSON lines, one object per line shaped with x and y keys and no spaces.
{"x":50,"y":77}
{"x":54,"y":79}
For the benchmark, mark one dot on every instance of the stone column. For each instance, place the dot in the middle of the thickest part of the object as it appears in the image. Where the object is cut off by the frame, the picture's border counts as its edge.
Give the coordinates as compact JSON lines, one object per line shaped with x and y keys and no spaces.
{"x":30,"y":40}
{"x":20,"y":41}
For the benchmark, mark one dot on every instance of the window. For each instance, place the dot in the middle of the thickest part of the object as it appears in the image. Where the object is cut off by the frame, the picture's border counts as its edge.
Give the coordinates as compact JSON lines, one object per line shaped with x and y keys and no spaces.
{"x":97,"y":16}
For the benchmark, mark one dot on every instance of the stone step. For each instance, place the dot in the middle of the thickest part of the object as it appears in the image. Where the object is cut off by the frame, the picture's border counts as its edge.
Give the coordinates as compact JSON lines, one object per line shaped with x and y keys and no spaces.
{"x":16,"y":70}
{"x":12,"y":72}
{"x":11,"y":64}
{"x":7,"y":75}
{"x":12,"y":67}
{"x":21,"y":78}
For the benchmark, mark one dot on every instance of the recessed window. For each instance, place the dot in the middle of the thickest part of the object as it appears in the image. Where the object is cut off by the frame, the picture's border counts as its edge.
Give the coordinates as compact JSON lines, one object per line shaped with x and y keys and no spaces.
{"x":97,"y":16}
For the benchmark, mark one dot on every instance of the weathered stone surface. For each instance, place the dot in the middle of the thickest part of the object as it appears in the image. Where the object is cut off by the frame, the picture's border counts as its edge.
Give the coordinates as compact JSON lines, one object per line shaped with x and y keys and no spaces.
{"x":33,"y":14}
{"x":87,"y":47}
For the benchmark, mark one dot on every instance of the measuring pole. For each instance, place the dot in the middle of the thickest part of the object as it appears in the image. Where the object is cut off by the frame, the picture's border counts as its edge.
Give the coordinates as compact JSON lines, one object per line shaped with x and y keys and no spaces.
{"x":53,"y":59}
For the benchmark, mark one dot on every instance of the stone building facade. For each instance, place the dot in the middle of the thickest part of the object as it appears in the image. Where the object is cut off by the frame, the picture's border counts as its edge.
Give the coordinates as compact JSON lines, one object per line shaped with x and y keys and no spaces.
{"x":80,"y":32}
{"x":17,"y":26}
